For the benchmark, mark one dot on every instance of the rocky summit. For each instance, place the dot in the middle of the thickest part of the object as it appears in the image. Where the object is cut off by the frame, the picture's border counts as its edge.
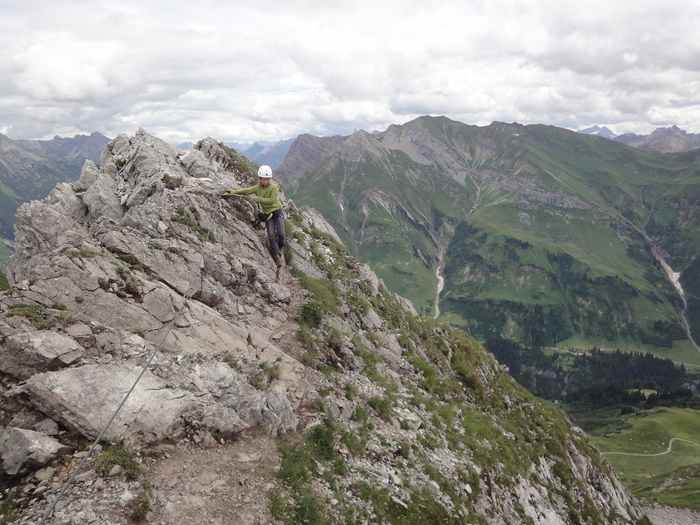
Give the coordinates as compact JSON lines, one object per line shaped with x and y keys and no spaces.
{"x":145,"y":309}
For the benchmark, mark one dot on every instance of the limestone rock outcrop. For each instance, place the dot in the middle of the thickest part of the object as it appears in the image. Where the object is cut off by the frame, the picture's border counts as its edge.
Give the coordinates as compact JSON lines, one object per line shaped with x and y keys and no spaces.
{"x":121,"y":250}
{"x":145,"y":306}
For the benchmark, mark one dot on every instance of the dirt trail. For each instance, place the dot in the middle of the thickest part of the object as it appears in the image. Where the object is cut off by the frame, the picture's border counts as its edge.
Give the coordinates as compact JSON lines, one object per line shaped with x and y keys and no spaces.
{"x":218,"y":485}
{"x":670,"y":445}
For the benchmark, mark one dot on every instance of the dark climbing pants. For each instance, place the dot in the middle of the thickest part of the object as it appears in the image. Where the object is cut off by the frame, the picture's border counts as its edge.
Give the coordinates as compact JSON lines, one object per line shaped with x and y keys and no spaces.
{"x":275,"y":232}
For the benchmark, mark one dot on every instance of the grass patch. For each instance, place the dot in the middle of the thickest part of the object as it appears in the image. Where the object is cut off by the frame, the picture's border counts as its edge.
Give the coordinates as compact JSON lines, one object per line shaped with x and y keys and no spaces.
{"x":116,"y":454}
{"x":421,"y":509}
{"x":83,"y":254}
{"x":142,"y":508}
{"x":172,"y":182}
{"x":299,"y":462}
{"x":35,"y":314}
{"x":190,"y":218}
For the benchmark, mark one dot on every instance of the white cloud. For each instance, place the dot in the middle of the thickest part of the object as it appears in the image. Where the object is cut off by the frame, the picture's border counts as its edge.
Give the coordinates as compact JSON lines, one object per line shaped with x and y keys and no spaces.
{"x":272,"y":70}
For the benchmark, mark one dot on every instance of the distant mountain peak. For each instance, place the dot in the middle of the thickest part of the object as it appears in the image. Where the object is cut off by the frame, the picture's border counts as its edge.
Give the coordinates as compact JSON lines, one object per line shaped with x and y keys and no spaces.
{"x":668,"y":139}
{"x":597,"y":130}
{"x":668,"y":131}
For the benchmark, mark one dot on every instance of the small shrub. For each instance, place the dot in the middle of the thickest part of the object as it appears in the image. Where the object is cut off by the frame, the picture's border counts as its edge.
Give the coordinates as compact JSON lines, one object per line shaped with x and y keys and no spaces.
{"x":190,"y":219}
{"x":334,"y":339}
{"x":132,"y":287}
{"x":116,"y":454}
{"x":83,"y":254}
{"x":233,"y":362}
{"x":279,"y":508}
{"x":272,"y":370}
{"x":356,"y":445}
{"x":7,"y":514}
{"x":360,"y":414}
{"x":131,"y":260}
{"x":122,"y":272}
{"x":172,"y":182}
{"x":143,"y":508}
{"x":350,"y":391}
{"x":311,"y":314}
{"x":35,"y":314}
{"x":257,"y":382}
{"x":321,"y":440}
{"x":383,"y":406}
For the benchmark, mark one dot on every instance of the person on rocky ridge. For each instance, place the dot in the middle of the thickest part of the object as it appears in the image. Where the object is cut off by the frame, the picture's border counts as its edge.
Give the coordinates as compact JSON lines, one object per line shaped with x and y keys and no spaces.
{"x":266,"y":197}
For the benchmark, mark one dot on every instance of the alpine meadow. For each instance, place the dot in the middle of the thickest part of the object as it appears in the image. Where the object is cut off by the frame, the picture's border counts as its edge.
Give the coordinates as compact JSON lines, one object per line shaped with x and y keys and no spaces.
{"x":541,"y":235}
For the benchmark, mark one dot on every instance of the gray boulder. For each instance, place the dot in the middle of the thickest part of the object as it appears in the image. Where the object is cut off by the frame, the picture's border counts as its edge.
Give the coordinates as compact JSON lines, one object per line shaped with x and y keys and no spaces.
{"x":23,"y":450}
{"x":25,"y":354}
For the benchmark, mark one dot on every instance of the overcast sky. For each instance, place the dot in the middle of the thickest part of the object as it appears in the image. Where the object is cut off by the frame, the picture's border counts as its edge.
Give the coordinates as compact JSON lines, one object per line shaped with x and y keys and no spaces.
{"x":270,"y":70}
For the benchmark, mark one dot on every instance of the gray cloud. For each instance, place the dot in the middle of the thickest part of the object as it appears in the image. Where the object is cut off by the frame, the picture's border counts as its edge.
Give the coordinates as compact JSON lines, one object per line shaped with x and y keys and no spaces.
{"x":264,"y":70}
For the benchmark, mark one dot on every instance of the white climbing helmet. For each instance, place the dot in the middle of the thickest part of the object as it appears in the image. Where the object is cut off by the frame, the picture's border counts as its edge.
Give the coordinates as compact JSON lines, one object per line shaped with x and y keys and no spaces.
{"x":265,"y":172}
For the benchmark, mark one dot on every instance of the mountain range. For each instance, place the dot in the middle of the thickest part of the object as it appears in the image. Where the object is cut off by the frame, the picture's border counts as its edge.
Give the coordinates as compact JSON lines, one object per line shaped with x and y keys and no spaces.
{"x":536,"y":233}
{"x":154,"y":357}
{"x":668,"y":140}
{"x":513,"y":230}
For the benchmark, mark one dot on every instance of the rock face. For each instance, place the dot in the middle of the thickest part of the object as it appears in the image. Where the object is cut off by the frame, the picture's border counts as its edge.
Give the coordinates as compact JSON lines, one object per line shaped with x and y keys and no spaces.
{"x":145,"y":305}
{"x":23,"y":449}
{"x":100,"y":249}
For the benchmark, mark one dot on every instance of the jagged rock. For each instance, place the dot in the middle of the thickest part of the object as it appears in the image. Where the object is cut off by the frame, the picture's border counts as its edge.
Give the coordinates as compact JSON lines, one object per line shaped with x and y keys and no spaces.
{"x":85,"y":398}
{"x":366,"y":274}
{"x":314,"y":219}
{"x":340,"y":408}
{"x":101,"y":198}
{"x":47,"y":426}
{"x":23,"y":355}
{"x":142,"y":259}
{"x":198,"y":165}
{"x":371,"y":320}
{"x":22,"y":450}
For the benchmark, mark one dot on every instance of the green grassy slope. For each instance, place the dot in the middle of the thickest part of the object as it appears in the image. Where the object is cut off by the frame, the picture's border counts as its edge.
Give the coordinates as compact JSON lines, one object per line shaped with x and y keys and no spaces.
{"x":592,"y":269}
{"x":672,"y":478}
{"x":392,"y":213}
{"x":549,"y":236}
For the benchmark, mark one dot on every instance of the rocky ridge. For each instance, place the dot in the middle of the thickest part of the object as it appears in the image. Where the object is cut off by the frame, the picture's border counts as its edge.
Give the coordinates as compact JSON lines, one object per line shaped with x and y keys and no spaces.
{"x":666,"y":140}
{"x":140,"y":267}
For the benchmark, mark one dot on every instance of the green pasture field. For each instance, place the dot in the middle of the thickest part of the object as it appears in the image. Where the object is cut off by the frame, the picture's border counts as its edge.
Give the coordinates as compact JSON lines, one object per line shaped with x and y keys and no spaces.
{"x":682,"y":351}
{"x":671,"y":478}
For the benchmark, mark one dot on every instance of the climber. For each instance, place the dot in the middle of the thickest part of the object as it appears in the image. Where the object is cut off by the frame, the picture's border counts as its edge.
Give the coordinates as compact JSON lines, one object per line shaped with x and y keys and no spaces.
{"x":266,"y":197}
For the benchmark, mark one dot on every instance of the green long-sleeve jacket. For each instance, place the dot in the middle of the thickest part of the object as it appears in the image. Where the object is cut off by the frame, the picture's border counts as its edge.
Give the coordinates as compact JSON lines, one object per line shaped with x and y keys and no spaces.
{"x":267,"y":197}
